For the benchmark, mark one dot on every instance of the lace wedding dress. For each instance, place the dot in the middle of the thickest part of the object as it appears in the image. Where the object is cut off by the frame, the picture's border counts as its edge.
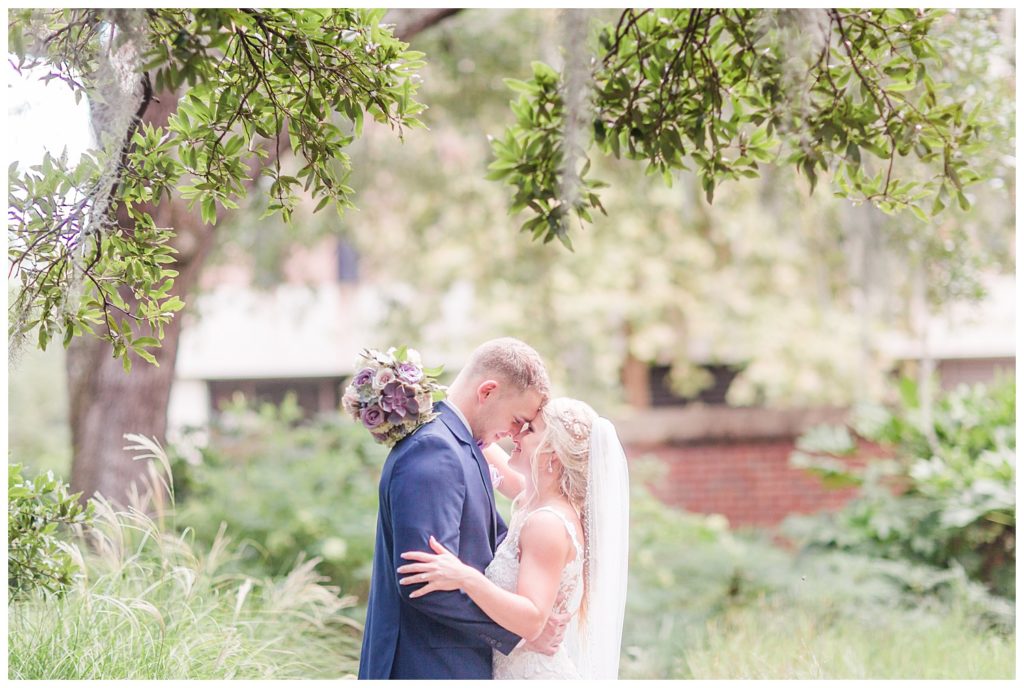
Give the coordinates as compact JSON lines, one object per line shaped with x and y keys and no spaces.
{"x":504,"y":572}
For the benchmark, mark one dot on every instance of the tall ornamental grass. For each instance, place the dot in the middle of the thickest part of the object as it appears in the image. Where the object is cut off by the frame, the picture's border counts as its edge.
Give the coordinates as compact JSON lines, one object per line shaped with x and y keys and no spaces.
{"x":149,"y":603}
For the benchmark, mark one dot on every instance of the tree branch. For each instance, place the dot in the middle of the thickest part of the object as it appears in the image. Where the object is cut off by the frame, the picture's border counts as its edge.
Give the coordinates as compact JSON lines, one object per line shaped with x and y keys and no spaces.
{"x":410,"y":22}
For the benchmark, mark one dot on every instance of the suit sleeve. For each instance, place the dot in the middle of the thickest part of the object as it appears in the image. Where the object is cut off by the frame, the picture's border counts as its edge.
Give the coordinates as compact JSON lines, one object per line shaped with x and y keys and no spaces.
{"x":426,"y":497}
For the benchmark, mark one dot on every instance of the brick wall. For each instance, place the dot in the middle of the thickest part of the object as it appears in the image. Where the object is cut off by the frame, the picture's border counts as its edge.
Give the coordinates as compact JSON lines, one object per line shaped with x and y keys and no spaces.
{"x":748,"y":482}
{"x":733,"y":461}
{"x":971,"y":371}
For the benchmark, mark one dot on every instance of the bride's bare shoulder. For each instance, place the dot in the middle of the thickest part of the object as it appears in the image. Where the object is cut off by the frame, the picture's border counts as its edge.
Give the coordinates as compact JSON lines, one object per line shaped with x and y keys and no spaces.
{"x":547,"y":529}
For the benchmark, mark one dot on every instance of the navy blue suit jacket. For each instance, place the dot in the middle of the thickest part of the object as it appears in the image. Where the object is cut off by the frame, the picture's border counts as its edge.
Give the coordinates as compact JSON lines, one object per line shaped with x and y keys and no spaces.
{"x":434,"y":482}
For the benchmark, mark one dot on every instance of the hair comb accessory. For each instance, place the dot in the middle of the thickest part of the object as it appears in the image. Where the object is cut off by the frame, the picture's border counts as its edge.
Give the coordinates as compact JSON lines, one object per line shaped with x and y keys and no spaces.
{"x":579,"y":429}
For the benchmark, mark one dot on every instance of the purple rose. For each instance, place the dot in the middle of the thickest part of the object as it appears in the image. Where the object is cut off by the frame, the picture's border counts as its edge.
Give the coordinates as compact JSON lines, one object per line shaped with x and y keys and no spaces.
{"x":363,"y":377}
{"x":410,"y":373}
{"x":372,"y":416}
{"x":399,"y":399}
{"x":380,"y":436}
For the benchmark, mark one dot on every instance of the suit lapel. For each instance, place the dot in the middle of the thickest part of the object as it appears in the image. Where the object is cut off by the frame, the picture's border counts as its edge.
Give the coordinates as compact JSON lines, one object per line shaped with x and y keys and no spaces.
{"x":462,"y":433}
{"x":485,"y":474}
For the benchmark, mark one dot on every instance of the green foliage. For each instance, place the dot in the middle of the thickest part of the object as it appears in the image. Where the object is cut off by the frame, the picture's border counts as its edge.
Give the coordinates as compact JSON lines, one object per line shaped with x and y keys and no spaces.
{"x":946,"y":496}
{"x":666,"y":274}
{"x":698,"y":589}
{"x":152,"y":604}
{"x":721,"y":91}
{"x":288,"y":489}
{"x":39,"y":511}
{"x":247,"y":79}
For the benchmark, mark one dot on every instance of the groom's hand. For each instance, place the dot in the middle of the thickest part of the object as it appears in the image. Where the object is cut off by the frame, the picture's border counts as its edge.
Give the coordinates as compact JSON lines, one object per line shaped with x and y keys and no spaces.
{"x":550,"y":639}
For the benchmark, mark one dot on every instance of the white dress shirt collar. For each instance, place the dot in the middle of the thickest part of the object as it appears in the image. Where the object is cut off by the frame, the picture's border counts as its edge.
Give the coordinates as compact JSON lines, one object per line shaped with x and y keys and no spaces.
{"x":458,"y":413}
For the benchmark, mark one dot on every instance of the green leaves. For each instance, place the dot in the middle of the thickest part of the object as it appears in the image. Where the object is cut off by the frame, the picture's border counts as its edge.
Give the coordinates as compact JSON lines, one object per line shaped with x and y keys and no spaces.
{"x":306,"y":518}
{"x":77,"y":273}
{"x":282,"y":77}
{"x":531,"y":157}
{"x":37,"y":511}
{"x":715,"y":90}
{"x":251,"y":83}
{"x":955,"y":470}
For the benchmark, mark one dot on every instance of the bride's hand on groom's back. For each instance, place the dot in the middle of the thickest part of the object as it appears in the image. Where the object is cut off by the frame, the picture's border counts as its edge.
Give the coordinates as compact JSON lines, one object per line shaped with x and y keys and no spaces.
{"x":441,"y":570}
{"x":550,"y":639}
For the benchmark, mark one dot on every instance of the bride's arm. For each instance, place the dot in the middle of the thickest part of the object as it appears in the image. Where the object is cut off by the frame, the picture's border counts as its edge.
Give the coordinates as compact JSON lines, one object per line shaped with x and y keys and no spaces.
{"x":544,"y":546}
{"x":512,"y":482}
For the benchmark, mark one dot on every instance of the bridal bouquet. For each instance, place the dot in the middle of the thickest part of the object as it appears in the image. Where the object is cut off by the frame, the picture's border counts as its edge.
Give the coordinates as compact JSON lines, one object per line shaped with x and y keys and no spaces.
{"x":392,"y":394}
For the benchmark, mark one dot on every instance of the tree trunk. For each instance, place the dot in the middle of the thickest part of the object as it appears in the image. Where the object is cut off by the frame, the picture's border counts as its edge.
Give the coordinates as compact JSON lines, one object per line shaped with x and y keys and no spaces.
{"x":105,"y":402}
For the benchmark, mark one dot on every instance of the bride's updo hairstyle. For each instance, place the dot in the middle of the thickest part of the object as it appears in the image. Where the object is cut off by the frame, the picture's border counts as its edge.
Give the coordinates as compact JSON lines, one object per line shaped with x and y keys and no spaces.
{"x":567,"y":434}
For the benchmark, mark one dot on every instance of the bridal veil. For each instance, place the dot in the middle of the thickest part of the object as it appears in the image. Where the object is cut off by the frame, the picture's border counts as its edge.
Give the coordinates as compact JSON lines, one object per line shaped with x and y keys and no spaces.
{"x":594,"y":642}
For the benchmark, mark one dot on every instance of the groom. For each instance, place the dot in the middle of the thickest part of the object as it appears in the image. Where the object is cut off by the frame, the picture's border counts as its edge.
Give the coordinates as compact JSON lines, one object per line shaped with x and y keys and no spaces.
{"x":436,"y":482}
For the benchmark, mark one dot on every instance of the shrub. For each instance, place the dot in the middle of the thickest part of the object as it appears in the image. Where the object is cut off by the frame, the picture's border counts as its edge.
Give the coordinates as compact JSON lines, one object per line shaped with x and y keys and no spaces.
{"x":288,"y":489}
{"x":39,"y":510}
{"x":956,"y":503}
{"x":688,"y":572}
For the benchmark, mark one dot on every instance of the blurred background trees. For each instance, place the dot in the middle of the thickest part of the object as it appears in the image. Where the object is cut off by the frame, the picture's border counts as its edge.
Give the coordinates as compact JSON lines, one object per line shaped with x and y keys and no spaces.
{"x":789,"y":288}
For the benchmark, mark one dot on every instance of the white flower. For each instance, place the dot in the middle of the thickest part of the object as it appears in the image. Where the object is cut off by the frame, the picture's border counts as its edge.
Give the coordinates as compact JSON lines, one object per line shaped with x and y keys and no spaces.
{"x":383,"y":377}
{"x":350,"y":402}
{"x":413,"y":356}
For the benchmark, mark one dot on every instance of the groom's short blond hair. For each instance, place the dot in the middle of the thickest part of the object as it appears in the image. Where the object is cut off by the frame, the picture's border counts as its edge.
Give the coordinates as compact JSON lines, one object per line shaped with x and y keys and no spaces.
{"x":511,"y":361}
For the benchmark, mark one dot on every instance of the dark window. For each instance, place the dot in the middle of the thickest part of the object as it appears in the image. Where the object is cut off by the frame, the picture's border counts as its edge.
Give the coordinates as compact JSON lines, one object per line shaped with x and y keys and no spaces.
{"x":662,"y":394}
{"x":314,"y":395}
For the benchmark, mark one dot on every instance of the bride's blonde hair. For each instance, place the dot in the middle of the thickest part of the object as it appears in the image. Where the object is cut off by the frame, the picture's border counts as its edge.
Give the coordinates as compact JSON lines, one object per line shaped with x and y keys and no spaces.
{"x":567,"y":434}
{"x":568,"y":424}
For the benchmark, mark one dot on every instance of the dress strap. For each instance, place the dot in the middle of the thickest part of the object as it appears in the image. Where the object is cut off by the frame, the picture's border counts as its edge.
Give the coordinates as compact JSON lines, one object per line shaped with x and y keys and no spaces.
{"x":568,"y":526}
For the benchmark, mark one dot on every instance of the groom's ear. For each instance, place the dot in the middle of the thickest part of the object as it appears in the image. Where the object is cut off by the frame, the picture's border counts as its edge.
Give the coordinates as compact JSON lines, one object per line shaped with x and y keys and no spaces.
{"x":486,"y":389}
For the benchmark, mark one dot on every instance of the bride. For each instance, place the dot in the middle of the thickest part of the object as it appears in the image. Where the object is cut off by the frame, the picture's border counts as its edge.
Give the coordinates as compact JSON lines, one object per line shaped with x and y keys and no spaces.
{"x":566,"y":550}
